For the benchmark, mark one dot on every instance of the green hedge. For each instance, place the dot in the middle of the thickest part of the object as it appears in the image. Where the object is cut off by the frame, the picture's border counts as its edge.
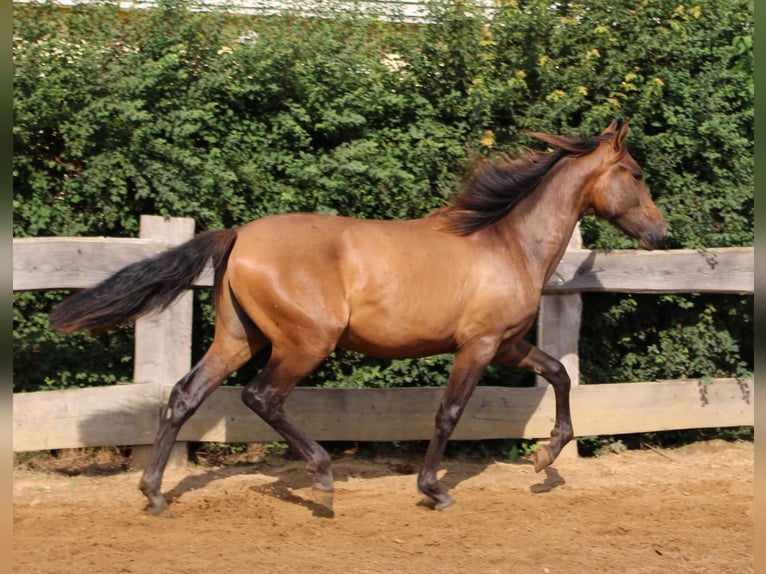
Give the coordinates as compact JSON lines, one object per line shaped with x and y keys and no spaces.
{"x":226,"y":118}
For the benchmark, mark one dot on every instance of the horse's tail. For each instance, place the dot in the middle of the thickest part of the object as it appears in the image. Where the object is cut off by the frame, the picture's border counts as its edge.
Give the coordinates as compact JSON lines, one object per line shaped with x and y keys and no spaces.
{"x":145,"y":286}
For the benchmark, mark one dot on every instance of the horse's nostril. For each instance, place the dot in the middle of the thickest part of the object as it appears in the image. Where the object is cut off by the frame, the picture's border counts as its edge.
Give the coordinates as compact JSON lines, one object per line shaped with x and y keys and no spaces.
{"x":653,"y":239}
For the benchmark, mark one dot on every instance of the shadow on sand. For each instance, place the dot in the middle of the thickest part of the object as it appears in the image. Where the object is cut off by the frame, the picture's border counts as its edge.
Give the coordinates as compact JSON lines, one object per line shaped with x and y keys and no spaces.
{"x":292,"y":483}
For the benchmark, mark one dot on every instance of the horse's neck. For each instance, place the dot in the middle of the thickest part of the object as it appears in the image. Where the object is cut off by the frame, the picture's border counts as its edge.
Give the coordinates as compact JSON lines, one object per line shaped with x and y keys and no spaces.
{"x":542,"y":224}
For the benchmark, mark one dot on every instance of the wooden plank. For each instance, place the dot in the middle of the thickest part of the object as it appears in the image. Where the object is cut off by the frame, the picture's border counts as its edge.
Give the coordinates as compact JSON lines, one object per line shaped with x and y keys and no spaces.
{"x":664,"y":405}
{"x":98,"y":416}
{"x":724,"y":270}
{"x":128,"y":414}
{"x":493,"y":412}
{"x":79,"y":262}
{"x":74,"y":262}
{"x":163,"y":340}
{"x":558,"y":324}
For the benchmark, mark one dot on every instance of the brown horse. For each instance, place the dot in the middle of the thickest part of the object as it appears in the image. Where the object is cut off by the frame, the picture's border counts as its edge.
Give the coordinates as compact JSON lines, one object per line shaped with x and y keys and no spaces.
{"x":467,"y":279}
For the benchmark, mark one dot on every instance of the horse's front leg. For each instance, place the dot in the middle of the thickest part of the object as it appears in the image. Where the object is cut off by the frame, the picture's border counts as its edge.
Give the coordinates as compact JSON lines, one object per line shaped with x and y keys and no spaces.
{"x":525,"y":355}
{"x":469,"y":364}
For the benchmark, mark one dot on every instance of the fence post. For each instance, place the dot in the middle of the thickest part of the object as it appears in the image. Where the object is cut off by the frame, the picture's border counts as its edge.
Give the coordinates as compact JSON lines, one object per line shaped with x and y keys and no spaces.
{"x":163,"y":340}
{"x":558,"y":332}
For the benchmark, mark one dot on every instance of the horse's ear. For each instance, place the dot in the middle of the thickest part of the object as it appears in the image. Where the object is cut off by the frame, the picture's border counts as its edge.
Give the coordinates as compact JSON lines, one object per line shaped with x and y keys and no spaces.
{"x":611,"y":128}
{"x":619,"y":139}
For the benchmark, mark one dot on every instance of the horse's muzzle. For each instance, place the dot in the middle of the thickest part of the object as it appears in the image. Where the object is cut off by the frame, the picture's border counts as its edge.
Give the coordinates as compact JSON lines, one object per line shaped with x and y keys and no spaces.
{"x":654,"y":237}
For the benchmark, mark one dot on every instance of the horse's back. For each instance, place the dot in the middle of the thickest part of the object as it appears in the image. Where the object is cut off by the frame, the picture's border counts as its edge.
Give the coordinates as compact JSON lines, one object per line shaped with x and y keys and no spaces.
{"x":316,"y":241}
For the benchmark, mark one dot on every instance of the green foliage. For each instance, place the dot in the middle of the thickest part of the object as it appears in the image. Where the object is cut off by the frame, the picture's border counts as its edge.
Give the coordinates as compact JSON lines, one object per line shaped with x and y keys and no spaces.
{"x":520,"y":449}
{"x":666,"y":337}
{"x":47,"y":360}
{"x":226,"y":118}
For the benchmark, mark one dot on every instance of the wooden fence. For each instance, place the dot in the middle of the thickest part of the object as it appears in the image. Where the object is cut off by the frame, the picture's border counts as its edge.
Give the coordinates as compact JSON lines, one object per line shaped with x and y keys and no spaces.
{"x":129,"y":414}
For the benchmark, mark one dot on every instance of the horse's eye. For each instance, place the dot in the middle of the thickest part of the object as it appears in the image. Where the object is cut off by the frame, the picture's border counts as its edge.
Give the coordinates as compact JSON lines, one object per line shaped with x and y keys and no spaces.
{"x":638,"y":176}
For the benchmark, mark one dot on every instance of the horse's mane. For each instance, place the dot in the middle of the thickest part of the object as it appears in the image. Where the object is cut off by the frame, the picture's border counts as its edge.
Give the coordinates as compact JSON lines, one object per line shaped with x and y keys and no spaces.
{"x":496,"y":187}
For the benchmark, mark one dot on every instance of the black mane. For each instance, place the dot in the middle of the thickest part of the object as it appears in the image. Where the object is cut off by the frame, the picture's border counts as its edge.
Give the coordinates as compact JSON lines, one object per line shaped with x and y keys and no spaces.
{"x":497,"y":187}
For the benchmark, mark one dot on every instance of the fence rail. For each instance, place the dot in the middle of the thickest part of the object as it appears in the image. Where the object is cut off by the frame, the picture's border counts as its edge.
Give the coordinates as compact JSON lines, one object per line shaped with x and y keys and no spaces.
{"x":79,"y":262}
{"x":129,"y":414}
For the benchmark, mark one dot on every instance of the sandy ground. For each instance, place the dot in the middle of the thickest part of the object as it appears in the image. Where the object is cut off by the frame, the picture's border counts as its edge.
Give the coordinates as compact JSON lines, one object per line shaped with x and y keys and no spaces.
{"x":650,"y":511}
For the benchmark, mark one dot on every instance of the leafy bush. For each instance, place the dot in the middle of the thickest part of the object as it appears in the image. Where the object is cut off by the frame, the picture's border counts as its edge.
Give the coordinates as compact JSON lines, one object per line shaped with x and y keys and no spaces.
{"x":226,"y":118}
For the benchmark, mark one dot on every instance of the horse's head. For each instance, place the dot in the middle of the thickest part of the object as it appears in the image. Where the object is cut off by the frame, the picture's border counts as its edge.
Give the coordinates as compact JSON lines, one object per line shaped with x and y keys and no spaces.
{"x":618,"y":192}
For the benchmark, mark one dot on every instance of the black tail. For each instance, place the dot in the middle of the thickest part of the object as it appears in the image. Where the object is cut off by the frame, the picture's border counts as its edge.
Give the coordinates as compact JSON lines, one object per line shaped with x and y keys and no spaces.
{"x":145,"y":286}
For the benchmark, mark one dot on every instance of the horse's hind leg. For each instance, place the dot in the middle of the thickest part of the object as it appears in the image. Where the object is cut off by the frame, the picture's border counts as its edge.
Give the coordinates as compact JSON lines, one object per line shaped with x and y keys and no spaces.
{"x":525,"y":355}
{"x":218,"y":363}
{"x":266,"y":395}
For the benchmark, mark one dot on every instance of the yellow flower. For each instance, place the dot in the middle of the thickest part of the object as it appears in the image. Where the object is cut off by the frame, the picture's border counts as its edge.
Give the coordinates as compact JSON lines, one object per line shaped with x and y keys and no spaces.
{"x":592,"y":53}
{"x":555,"y":95}
{"x":487,"y":138}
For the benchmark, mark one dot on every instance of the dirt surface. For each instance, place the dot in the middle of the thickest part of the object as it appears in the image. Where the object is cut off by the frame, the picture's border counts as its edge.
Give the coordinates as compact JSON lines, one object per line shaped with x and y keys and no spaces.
{"x":650,"y":511}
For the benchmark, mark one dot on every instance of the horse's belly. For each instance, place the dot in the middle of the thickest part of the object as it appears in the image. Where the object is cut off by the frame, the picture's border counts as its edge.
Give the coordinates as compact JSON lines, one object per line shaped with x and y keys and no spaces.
{"x":397,"y":336}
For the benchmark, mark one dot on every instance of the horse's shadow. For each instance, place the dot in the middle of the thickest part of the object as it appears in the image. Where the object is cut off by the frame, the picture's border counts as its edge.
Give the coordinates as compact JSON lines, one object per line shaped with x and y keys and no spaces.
{"x":289,"y":483}
{"x":292,"y":484}
{"x":320,"y":505}
{"x":552,"y":480}
{"x":199,"y":481}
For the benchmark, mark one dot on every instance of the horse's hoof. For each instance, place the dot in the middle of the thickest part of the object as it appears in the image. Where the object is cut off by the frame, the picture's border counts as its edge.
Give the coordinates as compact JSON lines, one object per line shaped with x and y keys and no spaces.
{"x":542,"y":457}
{"x":156,"y":505}
{"x":324,"y":499}
{"x":158,"y":510}
{"x":323,"y":480}
{"x":324,"y":485}
{"x":445,"y":503}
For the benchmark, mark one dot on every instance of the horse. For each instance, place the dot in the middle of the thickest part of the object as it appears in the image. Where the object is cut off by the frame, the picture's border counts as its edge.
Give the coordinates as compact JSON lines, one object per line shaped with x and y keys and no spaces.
{"x":464,"y":279}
